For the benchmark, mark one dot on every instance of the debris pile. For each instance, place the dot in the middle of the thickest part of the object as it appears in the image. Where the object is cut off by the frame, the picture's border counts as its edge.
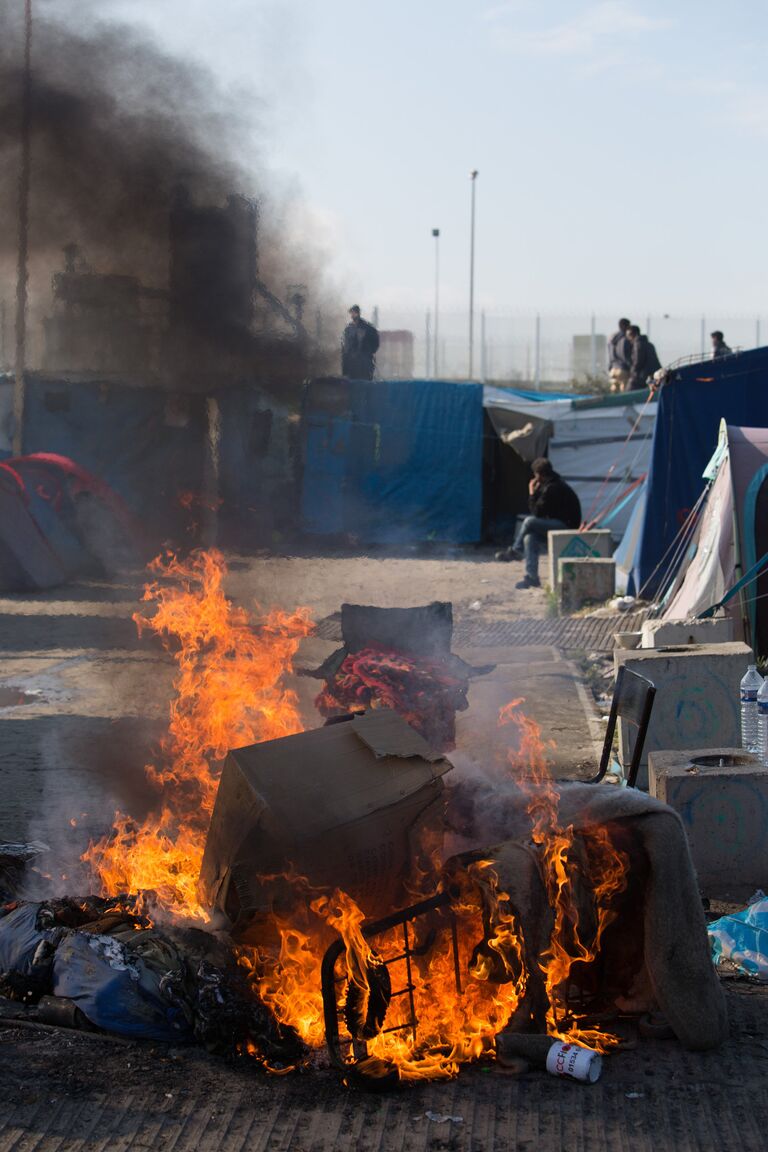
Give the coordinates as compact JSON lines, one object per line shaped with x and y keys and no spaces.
{"x":97,"y":964}
{"x":424,"y":692}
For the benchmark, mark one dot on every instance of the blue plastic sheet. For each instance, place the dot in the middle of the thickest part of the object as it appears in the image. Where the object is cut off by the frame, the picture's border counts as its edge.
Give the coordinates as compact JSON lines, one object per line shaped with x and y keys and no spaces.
{"x":691,"y":405}
{"x":743,"y":938}
{"x":115,"y":989}
{"x":20,"y":937}
{"x":393,"y":461}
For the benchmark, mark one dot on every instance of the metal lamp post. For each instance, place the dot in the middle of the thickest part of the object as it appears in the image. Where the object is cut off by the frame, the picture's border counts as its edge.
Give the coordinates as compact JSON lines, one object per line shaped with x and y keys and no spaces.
{"x":22,"y":272}
{"x":473,"y":178}
{"x":435,"y":369}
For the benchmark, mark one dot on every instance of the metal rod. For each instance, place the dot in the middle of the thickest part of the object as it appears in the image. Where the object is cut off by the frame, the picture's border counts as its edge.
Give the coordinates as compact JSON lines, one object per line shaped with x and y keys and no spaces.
{"x":455,"y":942}
{"x":22,"y":271}
{"x":428,"y":368}
{"x":473,"y":179}
{"x":537,"y":355}
{"x":409,"y":977}
{"x":436,"y":355}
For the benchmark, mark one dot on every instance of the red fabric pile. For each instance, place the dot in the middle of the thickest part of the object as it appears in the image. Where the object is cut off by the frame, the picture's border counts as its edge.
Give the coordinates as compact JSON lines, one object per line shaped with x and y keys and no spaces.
{"x":424,"y":692}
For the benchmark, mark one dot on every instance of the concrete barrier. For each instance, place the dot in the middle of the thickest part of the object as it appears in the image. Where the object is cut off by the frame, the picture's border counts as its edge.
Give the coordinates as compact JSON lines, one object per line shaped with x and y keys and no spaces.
{"x":585,"y":581}
{"x":697,"y":696}
{"x":663,"y":633}
{"x":570,"y":544}
{"x":721,"y":796}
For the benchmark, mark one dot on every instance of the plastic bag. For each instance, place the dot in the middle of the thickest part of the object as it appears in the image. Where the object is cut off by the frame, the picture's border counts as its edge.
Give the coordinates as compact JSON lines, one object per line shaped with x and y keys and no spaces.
{"x":743,"y":938}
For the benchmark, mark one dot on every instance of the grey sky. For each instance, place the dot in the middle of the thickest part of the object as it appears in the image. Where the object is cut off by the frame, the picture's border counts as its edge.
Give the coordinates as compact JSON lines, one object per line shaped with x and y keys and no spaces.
{"x":621,"y":144}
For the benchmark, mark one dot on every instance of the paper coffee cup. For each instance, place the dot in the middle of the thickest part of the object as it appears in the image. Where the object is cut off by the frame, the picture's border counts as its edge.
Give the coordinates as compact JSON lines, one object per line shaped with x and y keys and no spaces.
{"x":574,"y":1061}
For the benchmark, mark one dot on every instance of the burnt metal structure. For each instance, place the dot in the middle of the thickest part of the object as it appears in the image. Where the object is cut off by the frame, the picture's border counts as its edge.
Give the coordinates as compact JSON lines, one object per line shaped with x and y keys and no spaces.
{"x":329,"y":980}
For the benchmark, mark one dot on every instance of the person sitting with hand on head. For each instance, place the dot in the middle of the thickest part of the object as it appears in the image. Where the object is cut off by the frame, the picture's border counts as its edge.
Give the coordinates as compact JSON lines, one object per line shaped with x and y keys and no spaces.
{"x":553,"y":504}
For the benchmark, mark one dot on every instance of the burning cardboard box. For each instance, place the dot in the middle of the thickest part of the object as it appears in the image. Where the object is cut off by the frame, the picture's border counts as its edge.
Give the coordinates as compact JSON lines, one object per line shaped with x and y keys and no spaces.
{"x":342,"y":805}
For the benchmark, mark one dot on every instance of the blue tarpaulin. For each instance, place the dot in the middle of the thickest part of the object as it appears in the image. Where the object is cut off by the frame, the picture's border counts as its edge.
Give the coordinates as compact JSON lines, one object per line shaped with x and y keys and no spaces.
{"x":393,"y":461}
{"x":691,"y":405}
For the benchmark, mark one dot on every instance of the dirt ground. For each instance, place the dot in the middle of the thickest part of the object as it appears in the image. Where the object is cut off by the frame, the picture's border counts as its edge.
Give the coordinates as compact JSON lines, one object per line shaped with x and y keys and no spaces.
{"x":82,"y":700}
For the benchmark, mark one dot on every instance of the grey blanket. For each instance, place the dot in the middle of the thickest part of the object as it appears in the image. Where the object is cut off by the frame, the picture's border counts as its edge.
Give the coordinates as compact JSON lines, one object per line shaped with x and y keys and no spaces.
{"x":662,"y":908}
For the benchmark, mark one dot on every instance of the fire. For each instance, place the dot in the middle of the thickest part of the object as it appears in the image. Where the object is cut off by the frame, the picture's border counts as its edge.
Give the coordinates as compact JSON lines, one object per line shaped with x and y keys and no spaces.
{"x":424,"y":692}
{"x":457,"y":1016}
{"x":464,"y":974}
{"x":229,"y":692}
{"x":606,"y":876}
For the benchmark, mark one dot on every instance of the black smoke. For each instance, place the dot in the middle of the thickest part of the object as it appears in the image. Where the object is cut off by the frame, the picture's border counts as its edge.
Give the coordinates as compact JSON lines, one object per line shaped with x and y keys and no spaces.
{"x":140,"y":162}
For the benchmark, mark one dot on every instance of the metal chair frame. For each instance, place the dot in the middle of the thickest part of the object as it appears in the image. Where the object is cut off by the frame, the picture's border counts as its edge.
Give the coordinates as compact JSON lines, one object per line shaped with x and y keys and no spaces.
{"x":633,"y":699}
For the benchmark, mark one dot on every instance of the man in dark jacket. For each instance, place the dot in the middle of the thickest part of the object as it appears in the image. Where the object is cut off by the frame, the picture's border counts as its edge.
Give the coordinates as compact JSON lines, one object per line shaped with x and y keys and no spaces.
{"x":359,"y":345}
{"x":719,"y":346}
{"x":619,"y":356}
{"x":553,"y":504}
{"x":644,"y":358}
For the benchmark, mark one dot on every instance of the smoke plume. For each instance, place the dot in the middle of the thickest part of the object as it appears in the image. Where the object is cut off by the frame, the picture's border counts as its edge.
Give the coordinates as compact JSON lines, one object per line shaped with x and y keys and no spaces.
{"x":134,"y":156}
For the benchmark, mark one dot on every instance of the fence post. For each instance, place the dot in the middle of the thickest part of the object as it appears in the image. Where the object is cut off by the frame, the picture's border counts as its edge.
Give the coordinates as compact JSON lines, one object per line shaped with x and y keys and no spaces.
{"x":703,"y":336}
{"x":537,"y":354}
{"x":428,"y":375}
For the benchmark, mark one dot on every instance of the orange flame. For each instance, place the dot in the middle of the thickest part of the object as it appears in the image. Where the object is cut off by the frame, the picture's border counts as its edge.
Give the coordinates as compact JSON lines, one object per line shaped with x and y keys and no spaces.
{"x":607,"y":876}
{"x":455,"y":1025}
{"x":229,"y":692}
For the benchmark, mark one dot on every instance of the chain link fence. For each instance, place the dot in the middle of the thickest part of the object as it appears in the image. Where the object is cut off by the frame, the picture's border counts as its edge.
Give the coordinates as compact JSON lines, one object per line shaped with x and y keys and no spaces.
{"x":541,"y":350}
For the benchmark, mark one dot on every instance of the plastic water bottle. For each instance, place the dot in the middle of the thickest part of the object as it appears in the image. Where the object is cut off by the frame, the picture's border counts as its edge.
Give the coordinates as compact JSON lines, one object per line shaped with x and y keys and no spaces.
{"x":750,"y":687}
{"x":762,"y":723}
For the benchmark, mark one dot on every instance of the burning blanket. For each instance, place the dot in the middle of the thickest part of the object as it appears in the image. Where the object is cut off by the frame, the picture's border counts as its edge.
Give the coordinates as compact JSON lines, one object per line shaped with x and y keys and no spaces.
{"x":655,"y":953}
{"x":426,"y":693}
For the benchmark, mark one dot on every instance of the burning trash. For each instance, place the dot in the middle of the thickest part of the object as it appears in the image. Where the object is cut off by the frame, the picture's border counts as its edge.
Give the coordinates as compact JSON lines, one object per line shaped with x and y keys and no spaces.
{"x":399,"y":658}
{"x":337,"y":890}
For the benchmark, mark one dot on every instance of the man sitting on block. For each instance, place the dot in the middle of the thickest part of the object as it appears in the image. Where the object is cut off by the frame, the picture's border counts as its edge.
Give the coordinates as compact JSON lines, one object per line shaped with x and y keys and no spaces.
{"x":553,"y":504}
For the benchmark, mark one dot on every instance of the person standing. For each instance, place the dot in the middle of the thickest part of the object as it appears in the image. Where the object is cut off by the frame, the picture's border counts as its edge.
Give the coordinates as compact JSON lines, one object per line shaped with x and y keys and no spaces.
{"x":553,"y":504}
{"x":359,"y":345}
{"x":719,"y":346}
{"x":619,"y":357}
{"x":644,"y":361}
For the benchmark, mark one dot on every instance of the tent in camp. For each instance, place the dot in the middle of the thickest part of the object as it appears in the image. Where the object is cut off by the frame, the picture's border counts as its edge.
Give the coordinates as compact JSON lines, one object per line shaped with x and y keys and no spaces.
{"x":729,"y":535}
{"x":417,"y":460}
{"x":152,"y":445}
{"x":57,"y":520}
{"x":392,"y":461}
{"x":600,"y":445}
{"x":692,"y":402}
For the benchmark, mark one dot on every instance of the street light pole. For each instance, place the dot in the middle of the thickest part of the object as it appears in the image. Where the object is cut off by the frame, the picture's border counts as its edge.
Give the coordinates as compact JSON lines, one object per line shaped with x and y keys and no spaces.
{"x":436,"y":234}
{"x":473,"y":177}
{"x":22,"y":273}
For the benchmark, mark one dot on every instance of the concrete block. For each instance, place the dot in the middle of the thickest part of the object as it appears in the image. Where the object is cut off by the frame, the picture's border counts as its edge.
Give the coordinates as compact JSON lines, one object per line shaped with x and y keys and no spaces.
{"x":721,"y":796}
{"x":662,"y":633}
{"x":574,"y":545}
{"x":697,"y":696}
{"x":585,"y":581}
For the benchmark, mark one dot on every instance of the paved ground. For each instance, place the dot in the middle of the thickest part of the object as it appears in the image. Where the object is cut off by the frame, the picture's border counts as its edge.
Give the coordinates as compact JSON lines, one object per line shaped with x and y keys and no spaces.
{"x":81,"y":700}
{"x":61,"y":1093}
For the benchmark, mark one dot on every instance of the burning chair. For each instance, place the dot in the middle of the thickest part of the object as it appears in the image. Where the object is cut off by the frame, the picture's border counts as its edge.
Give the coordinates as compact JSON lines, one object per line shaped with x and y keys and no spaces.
{"x":590,"y":918}
{"x":399,"y":658}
